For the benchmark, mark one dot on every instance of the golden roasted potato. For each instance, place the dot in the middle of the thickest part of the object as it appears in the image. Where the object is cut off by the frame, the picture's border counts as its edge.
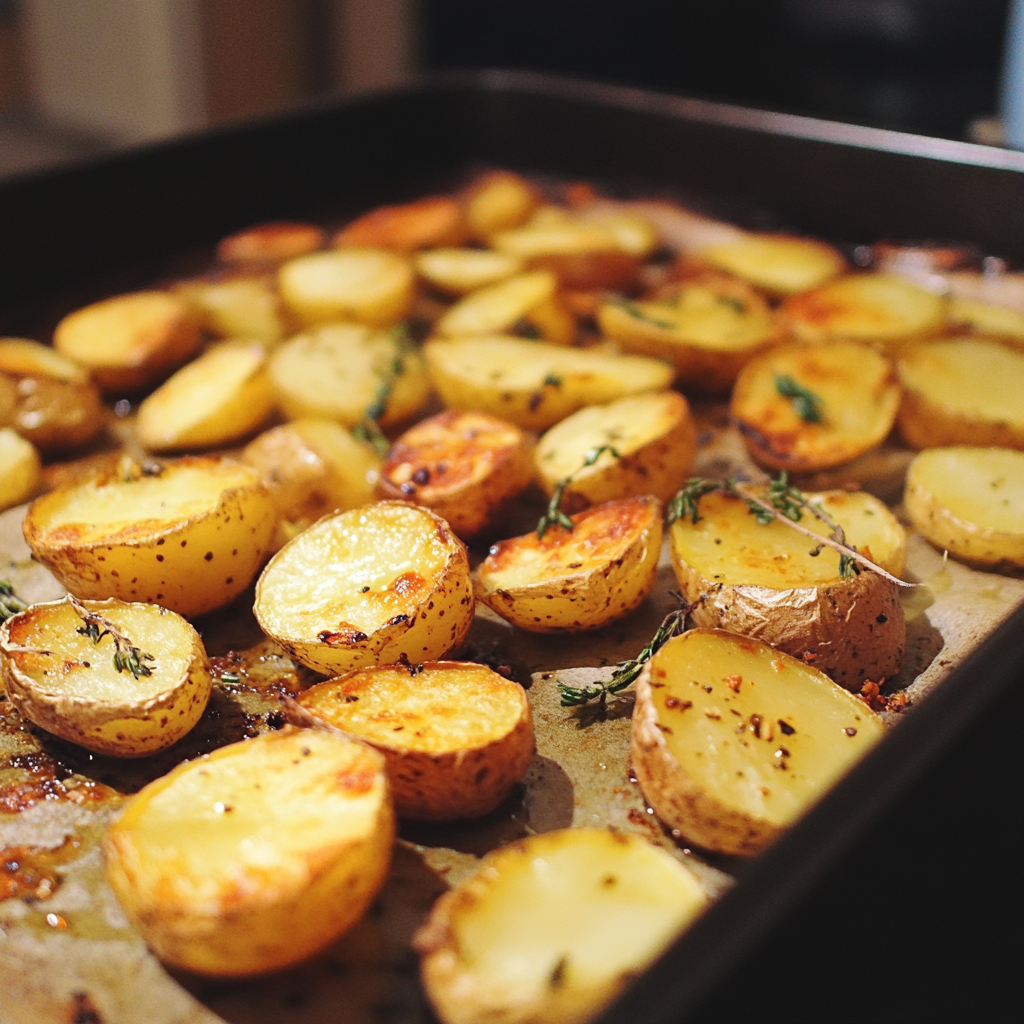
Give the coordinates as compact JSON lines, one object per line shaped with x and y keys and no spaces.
{"x":464,"y":270}
{"x":456,"y":736}
{"x":987,"y":319}
{"x":190,"y":536}
{"x":256,"y":856}
{"x":552,"y":927}
{"x":53,"y":414}
{"x":579,"y":579}
{"x":375,"y":585}
{"x":770,"y":582}
{"x":780,"y":264}
{"x":19,"y":468}
{"x":22,"y":357}
{"x":810,"y":407}
{"x":218,"y":398}
{"x":466,"y":466}
{"x":533,"y":384}
{"x":498,"y":201}
{"x":654,"y":440}
{"x":120,"y":679}
{"x":962,"y":391}
{"x":421,"y":224}
{"x":339,"y":371}
{"x":733,"y":740}
{"x":267,"y":243}
{"x":130,"y":341}
{"x":371,"y":286}
{"x":236,"y":306}
{"x":881,"y":309}
{"x":970,"y":502}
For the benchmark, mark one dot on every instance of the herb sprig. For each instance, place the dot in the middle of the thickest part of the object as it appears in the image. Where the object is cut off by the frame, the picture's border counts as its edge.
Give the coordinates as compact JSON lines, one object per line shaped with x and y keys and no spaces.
{"x":368,"y":429}
{"x":10,"y":603}
{"x":127,"y":657}
{"x":554,"y":515}
{"x":806,"y":403}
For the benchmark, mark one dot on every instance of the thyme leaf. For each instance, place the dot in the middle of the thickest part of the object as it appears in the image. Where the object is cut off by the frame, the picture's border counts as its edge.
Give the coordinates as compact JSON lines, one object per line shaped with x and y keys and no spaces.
{"x":10,"y":603}
{"x":369,"y":428}
{"x":685,"y":502}
{"x":631,"y":309}
{"x":806,"y":403}
{"x":554,"y":515}
{"x":127,"y":657}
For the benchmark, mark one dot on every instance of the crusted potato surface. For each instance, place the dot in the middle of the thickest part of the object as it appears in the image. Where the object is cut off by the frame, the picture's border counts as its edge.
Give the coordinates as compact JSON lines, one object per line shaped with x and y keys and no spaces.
{"x":497,"y":307}
{"x":781,"y":264}
{"x":435,"y":220}
{"x":271,"y":242}
{"x":497,"y":201}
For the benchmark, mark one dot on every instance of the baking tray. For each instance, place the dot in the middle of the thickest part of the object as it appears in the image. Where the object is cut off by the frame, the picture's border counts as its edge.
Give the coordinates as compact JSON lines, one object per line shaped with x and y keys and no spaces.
{"x":123,"y":221}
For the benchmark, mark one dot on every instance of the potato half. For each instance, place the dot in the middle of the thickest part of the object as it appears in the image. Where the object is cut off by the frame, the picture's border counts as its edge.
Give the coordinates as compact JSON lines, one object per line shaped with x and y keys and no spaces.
{"x":733,"y":740}
{"x":582,"y":579}
{"x":245,"y":306}
{"x":464,"y":270}
{"x":191,"y":537}
{"x":70,"y":684}
{"x":970,"y":502}
{"x":375,"y":585}
{"x":551,"y":928}
{"x":533,"y":384}
{"x":962,"y":391}
{"x":780,"y":264}
{"x":271,"y":242}
{"x":466,"y":466}
{"x":22,"y":357}
{"x":498,"y":201}
{"x":456,"y":736}
{"x":498,"y":307}
{"x":256,"y":856}
{"x":773,"y":583}
{"x":853,"y":390}
{"x":19,"y":468}
{"x":987,"y":319}
{"x":421,"y":224}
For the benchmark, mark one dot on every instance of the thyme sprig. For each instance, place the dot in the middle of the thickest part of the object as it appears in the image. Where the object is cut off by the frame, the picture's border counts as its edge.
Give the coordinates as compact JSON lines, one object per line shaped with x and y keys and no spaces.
{"x":10,"y":603}
{"x":127,"y":657}
{"x":368,"y":429}
{"x":631,"y":309}
{"x":806,"y":403}
{"x":554,"y":515}
{"x":626,"y":671}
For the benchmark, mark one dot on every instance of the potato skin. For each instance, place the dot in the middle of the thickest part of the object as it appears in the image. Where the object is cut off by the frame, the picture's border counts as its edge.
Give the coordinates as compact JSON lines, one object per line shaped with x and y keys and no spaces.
{"x":53,"y":414}
{"x":925,"y":424}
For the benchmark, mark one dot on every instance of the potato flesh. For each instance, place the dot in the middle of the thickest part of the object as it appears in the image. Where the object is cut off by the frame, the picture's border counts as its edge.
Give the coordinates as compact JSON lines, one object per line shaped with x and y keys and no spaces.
{"x":734,"y":711}
{"x":19,"y":468}
{"x":779,"y":263}
{"x":464,"y":270}
{"x":22,"y":357}
{"x":243,"y":307}
{"x":987,"y":319}
{"x":497,"y":307}
{"x":498,"y":201}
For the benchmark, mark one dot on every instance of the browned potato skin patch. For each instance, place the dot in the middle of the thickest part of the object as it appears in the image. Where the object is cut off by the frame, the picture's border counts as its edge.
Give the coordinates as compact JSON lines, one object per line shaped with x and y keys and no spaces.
{"x":422,"y":224}
{"x":434,"y":786}
{"x":590,"y":271}
{"x":466,"y":466}
{"x":53,"y":414}
{"x":271,"y":242}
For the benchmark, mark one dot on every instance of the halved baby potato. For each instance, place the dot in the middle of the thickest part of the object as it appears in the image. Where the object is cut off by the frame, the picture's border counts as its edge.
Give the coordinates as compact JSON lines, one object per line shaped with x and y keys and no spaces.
{"x":987,"y":319}
{"x":256,"y":856}
{"x":551,"y":928}
{"x":780,"y":264}
{"x":130,"y":341}
{"x":338,"y":371}
{"x":970,"y":502}
{"x":962,"y":391}
{"x":881,"y":309}
{"x":497,"y":201}
{"x":189,"y":535}
{"x":19,"y":468}
{"x":534,"y":384}
{"x":810,"y":407}
{"x":579,"y":579}
{"x":23,"y":357}
{"x":271,"y":242}
{"x":456,"y":736}
{"x":371,"y":286}
{"x":421,"y":224}
{"x":375,"y":585}
{"x":241,"y":305}
{"x":218,"y":398}
{"x":654,"y":440}
{"x":733,"y":740}
{"x":464,"y":270}
{"x":466,"y":466}
{"x":134,"y":685}
{"x":771,"y":582}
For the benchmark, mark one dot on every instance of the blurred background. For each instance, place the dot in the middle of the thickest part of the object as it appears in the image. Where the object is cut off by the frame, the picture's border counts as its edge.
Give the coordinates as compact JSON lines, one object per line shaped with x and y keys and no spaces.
{"x":81,"y":76}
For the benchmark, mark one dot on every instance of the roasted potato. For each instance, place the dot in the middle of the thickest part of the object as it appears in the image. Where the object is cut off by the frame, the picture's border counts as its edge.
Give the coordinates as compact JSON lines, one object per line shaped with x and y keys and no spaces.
{"x":970,"y":502}
{"x":464,"y":270}
{"x":810,"y":407}
{"x":733,"y":740}
{"x":532,"y":384}
{"x":456,"y":736}
{"x":256,"y":856}
{"x":218,"y":398}
{"x":653,"y":441}
{"x":770,"y":582}
{"x":19,"y":468}
{"x":236,"y":306}
{"x":271,"y":243}
{"x":962,"y":391}
{"x":987,"y":320}
{"x":22,"y":357}
{"x":421,"y":224}
{"x":466,"y":466}
{"x":53,"y":414}
{"x":552,"y":927}
{"x":120,"y":679}
{"x":579,"y":579}
{"x":189,"y":535}
{"x":780,"y":264}
{"x":376,"y":585}
{"x":498,"y":201}
{"x":338,"y":371}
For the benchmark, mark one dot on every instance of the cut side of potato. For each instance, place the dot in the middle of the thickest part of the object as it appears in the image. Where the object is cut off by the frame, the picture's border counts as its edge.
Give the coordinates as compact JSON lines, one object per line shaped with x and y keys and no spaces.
{"x":214,"y":400}
{"x":376,"y":585}
{"x":880,"y":309}
{"x":809,"y":407}
{"x":551,"y":928}
{"x":780,"y":264}
{"x":421,"y":224}
{"x":962,"y":391}
{"x":466,"y":466}
{"x":456,"y":736}
{"x":498,"y":201}
{"x":256,"y":856}
{"x":190,"y":538}
{"x":654,"y":440}
{"x":770,"y":582}
{"x":970,"y":502}
{"x":987,"y":319}
{"x":464,"y":270}
{"x":73,"y":684}
{"x":22,"y":357}
{"x":579,"y":579}
{"x":498,"y":307}
{"x":533,"y":384}
{"x":267,"y":243}
{"x":19,"y":468}
{"x":371,"y":286}
{"x":338,"y":371}
{"x":236,"y":307}
{"x":733,"y":740}
{"x":129,"y":341}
